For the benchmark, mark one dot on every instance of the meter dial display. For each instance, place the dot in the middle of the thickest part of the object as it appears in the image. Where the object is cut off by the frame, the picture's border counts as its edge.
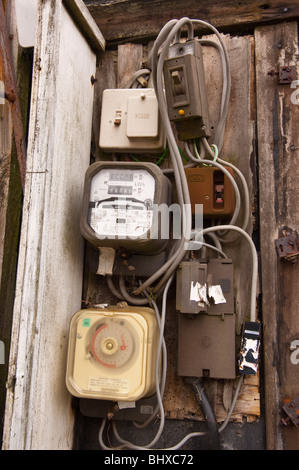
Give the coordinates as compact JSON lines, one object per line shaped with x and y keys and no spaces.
{"x":112,"y":343}
{"x":121,"y":202}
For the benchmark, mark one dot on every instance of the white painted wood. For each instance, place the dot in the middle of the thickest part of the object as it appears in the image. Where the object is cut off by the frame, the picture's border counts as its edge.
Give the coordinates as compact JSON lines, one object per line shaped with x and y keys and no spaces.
{"x":26,"y":20}
{"x":50,"y":270}
{"x":88,"y":26}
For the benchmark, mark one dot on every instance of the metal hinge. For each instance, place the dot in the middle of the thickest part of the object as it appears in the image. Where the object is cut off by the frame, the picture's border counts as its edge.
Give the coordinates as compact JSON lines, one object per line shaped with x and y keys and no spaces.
{"x":287,"y":246}
{"x":291,"y":408}
{"x":286,"y":74}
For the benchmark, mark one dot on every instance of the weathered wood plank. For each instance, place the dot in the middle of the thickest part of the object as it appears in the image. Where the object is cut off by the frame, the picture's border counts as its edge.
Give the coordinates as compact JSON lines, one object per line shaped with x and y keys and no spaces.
{"x":50,"y":269}
{"x":105,"y":78}
{"x":129,"y":61}
{"x":86,"y":23}
{"x":10,"y":196}
{"x":12,"y":95}
{"x":5,"y":152}
{"x":278,"y":144}
{"x":137,"y":19}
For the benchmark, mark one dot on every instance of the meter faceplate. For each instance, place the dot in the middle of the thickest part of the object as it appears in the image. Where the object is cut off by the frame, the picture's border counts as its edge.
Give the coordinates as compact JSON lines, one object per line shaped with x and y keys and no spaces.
{"x":121,"y":202}
{"x":118,"y":206}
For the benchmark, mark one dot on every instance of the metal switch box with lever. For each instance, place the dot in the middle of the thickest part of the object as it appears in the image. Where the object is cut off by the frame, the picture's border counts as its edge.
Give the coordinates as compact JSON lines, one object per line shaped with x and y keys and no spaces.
{"x":185,"y":89}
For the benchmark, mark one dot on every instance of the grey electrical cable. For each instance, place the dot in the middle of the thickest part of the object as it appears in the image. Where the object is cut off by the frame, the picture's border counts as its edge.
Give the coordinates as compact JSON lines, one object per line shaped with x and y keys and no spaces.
{"x":217,"y":244}
{"x":113,"y":289}
{"x":225,"y":92}
{"x":168,"y":33}
{"x":180,"y":177}
{"x":128,"y":297}
{"x":207,"y":245}
{"x":135,"y":76}
{"x":246,"y":204}
{"x":224,"y":424}
{"x":163,"y":367}
{"x":218,"y":137}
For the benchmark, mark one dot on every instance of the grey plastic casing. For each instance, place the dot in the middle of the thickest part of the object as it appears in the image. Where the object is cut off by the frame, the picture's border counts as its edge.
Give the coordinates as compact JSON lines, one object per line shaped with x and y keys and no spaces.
{"x":146,"y":245}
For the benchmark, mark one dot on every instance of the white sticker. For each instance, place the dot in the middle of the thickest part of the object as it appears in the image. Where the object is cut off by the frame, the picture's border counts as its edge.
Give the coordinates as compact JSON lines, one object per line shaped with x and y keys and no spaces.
{"x":106,"y":261}
{"x":198,"y":293}
{"x":203,"y":293}
{"x":215,"y":293}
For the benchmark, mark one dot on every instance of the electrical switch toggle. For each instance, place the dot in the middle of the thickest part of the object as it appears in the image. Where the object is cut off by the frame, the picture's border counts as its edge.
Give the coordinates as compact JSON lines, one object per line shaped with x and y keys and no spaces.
{"x":177,"y":82}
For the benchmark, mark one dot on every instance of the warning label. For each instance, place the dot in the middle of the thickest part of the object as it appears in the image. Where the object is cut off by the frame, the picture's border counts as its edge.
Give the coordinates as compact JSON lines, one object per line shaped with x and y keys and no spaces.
{"x":108,"y":385}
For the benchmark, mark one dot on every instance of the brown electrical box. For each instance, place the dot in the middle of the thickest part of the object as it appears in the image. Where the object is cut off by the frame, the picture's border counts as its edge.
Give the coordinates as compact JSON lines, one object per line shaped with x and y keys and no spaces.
{"x":210,"y":187}
{"x":206,"y":346}
{"x":206,"y":323}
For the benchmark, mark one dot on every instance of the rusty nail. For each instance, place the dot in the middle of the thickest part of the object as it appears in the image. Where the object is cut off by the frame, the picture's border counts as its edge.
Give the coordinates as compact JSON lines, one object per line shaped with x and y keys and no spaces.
{"x":293,"y":148}
{"x":272,"y":73}
{"x":10,"y":97}
{"x":93,"y":80}
{"x":285,"y":421}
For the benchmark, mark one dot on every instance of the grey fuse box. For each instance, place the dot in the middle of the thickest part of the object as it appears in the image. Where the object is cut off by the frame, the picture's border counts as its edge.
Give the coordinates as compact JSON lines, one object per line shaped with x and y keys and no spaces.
{"x":206,"y":322}
{"x":185,"y":89}
{"x":206,"y":346}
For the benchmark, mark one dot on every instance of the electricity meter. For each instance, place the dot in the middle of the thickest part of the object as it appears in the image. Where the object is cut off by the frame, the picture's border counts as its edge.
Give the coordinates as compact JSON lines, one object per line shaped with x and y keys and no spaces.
{"x":120,"y":205}
{"x":112,"y":353}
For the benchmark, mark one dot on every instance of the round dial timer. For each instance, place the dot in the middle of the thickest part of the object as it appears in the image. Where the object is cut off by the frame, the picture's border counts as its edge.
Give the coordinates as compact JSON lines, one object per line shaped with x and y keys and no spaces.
{"x":112,"y":344}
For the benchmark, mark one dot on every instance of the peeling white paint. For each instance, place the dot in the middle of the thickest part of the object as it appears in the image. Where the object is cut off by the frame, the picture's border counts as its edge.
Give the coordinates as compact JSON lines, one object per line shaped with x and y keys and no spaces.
{"x":38,"y":411}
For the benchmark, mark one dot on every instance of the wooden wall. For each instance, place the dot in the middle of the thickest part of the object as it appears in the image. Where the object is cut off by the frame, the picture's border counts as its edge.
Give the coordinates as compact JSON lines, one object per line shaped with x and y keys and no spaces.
{"x":239,"y":148}
{"x":261,"y":137}
{"x":140,"y":20}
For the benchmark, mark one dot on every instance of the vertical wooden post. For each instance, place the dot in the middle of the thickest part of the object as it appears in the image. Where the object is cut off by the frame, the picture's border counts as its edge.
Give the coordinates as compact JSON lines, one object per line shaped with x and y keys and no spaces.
{"x":278,"y":153}
{"x":10,"y":189}
{"x":50,"y":268}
